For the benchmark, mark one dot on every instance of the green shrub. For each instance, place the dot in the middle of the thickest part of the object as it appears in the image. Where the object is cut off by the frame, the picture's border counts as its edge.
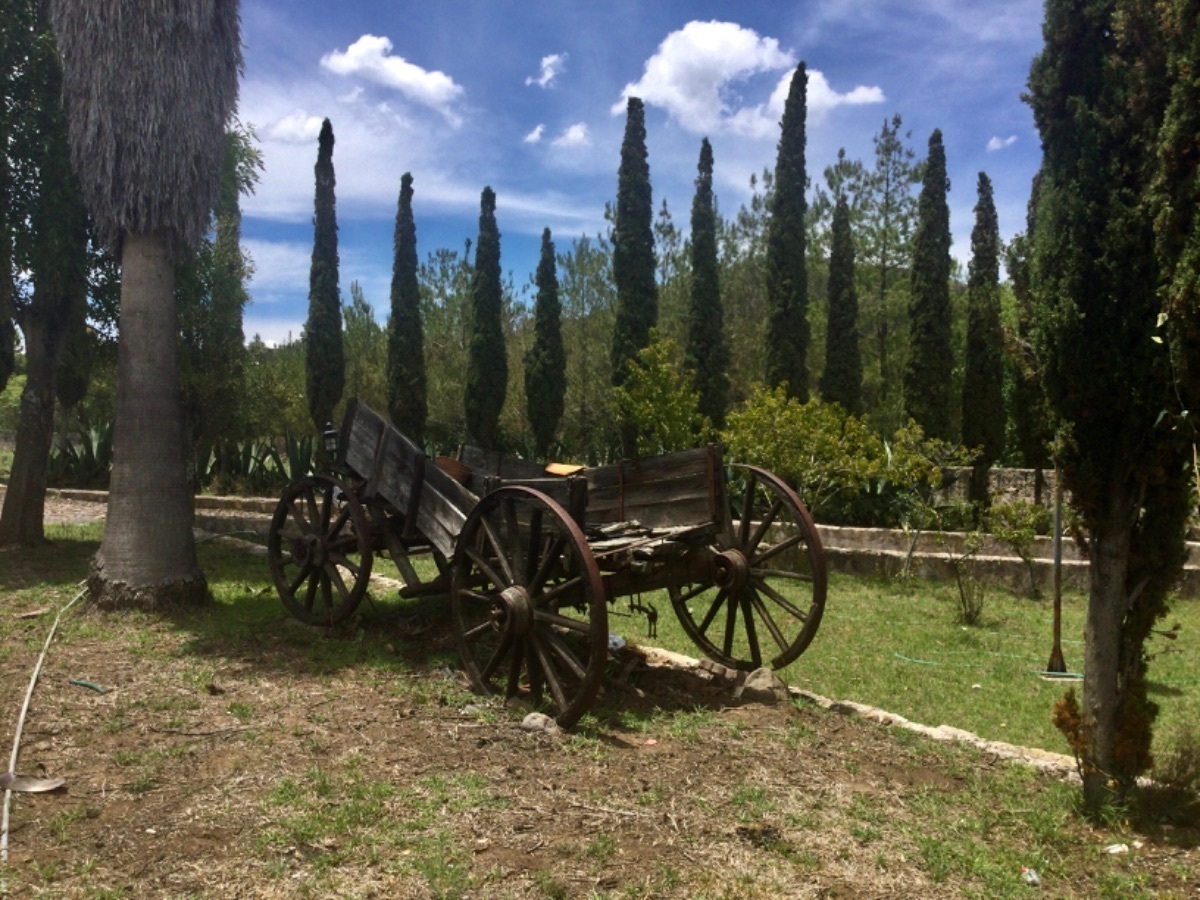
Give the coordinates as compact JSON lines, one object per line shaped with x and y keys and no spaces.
{"x":658,"y":399}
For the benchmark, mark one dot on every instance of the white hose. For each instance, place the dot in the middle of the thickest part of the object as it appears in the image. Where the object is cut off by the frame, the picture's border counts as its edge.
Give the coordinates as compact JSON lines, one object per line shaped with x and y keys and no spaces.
{"x":12,"y":765}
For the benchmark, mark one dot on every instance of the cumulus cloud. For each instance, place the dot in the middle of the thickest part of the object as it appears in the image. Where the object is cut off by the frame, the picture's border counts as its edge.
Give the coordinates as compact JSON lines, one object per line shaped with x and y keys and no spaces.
{"x":536,"y":135}
{"x":552,"y":67}
{"x":999,"y":143}
{"x":692,"y":73}
{"x":574,"y":136}
{"x":370,"y":57}
{"x":297,"y":128}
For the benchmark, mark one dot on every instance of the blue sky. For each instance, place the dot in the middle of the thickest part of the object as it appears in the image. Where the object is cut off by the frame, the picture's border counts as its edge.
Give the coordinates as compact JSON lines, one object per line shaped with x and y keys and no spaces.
{"x":528,"y":96}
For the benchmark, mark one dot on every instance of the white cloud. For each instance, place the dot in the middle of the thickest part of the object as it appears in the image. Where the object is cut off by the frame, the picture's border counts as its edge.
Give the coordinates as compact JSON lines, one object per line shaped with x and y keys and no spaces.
{"x":692,"y":73}
{"x":575,"y":136}
{"x":821,"y":98}
{"x":999,"y":143}
{"x":536,"y":135}
{"x":552,"y":67}
{"x":296,"y":128}
{"x":370,"y":57}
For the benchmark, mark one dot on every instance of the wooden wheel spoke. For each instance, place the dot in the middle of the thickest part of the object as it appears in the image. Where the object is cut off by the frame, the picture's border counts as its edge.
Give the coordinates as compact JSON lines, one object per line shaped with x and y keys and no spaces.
{"x":692,"y":592}
{"x":560,"y":621}
{"x":513,"y":528}
{"x":747,"y":509}
{"x":730,"y":625}
{"x":767,"y":521}
{"x":478,"y":597}
{"x":722,"y":596}
{"x":747,"y":605}
{"x":483,"y":627}
{"x":314,"y":514}
{"x":776,"y":549}
{"x":310,"y":595}
{"x":305,"y":570}
{"x":485,"y":568}
{"x":515,"y":659}
{"x":335,"y":529}
{"x":297,"y":515}
{"x":535,"y":542}
{"x":551,"y":676}
{"x":326,"y":590}
{"x":565,"y":653}
{"x":497,"y":657}
{"x":545,"y":598}
{"x":498,"y":549}
{"x":345,"y":562}
{"x":783,"y":601}
{"x":549,"y":558}
{"x":765,"y":615}
{"x":335,"y":578}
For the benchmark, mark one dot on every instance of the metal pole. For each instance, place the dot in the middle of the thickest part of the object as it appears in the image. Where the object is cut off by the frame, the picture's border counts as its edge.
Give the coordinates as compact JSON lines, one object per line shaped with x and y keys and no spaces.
{"x":1057,"y":664}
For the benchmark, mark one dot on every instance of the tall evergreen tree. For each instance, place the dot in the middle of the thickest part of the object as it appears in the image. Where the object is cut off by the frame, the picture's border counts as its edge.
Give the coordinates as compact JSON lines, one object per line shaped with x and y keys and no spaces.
{"x":707,"y":354}
{"x":884,"y":255}
{"x":1031,"y":417}
{"x":148,"y":98}
{"x":1098,"y":91}
{"x":546,"y":364}
{"x":407,"y":393}
{"x":487,"y":364}
{"x":841,"y":382}
{"x":787,"y":278}
{"x":983,"y":417}
{"x":52,"y":248}
{"x":930,"y":360}
{"x":633,"y":257}
{"x":324,"y":357}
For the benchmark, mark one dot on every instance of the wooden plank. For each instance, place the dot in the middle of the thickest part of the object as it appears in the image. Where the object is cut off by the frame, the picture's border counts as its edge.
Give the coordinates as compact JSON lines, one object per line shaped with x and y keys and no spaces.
{"x":676,"y":489}
{"x":493,"y":462}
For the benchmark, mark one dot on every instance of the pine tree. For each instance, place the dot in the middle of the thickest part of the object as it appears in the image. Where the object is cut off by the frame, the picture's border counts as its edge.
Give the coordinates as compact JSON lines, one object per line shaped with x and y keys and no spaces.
{"x":930,"y":361}
{"x":633,"y":257}
{"x":787,"y":278}
{"x":1098,"y":91}
{"x":707,"y":355}
{"x":487,"y":365}
{"x":983,"y":417}
{"x":546,"y":364}
{"x":324,"y":358}
{"x":407,"y":393}
{"x":841,"y":382}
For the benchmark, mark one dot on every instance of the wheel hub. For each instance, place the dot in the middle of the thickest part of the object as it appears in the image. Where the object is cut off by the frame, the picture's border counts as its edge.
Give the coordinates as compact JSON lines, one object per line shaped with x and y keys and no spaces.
{"x":308,"y":549}
{"x":731,"y":569}
{"x":514,"y":609}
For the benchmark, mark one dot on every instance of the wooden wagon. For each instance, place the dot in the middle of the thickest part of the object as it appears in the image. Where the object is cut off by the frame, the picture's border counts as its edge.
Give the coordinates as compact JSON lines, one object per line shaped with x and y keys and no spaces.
{"x":531,"y":561}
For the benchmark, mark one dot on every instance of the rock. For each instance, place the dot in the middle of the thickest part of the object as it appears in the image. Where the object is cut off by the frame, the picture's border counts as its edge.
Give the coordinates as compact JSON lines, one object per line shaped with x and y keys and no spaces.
{"x":540,"y":722}
{"x":762,"y":686}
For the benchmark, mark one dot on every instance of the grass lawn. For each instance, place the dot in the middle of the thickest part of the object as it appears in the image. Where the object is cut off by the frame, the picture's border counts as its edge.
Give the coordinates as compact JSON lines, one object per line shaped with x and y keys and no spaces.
{"x":236,"y":752}
{"x":897,"y":646}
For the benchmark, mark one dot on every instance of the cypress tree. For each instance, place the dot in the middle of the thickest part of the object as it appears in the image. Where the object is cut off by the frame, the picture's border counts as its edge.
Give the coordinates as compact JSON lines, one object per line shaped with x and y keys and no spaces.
{"x":707,"y":348}
{"x":841,"y":382}
{"x":633,"y":257}
{"x":983,"y":381}
{"x":787,"y":278}
{"x":487,"y":365}
{"x":930,"y":361}
{"x":546,"y":364}
{"x":407,"y":397}
{"x":1097,"y":97}
{"x":324,"y":359}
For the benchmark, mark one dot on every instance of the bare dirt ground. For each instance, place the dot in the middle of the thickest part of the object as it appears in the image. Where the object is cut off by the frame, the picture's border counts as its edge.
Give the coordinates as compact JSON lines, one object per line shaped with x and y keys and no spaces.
{"x":216,"y":769}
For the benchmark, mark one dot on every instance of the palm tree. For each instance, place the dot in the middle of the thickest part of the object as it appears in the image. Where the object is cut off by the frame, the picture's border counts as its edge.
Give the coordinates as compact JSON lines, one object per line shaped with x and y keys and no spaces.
{"x":146,"y":141}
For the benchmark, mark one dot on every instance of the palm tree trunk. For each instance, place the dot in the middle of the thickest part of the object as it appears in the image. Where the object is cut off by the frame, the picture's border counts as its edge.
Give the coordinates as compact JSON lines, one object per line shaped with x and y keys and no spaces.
{"x":148,"y":556}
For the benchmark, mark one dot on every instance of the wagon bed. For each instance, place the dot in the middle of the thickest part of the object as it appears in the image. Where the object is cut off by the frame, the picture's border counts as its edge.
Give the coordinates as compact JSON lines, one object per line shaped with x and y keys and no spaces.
{"x":532,"y":561}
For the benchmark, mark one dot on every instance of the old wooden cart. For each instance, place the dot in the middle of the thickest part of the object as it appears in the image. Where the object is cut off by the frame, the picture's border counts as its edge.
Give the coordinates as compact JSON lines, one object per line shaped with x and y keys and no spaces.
{"x":530,"y":561}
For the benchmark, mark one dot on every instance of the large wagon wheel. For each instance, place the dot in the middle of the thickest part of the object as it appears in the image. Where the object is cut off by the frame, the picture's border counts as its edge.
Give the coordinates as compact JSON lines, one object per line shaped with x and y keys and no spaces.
{"x":319,"y":550}
{"x":528,"y":603}
{"x":767,"y":594}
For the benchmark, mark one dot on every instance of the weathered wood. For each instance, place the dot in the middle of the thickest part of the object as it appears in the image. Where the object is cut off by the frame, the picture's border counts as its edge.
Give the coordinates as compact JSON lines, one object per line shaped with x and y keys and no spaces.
{"x":686,"y":488}
{"x":399,"y":472}
{"x":485,"y":463}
